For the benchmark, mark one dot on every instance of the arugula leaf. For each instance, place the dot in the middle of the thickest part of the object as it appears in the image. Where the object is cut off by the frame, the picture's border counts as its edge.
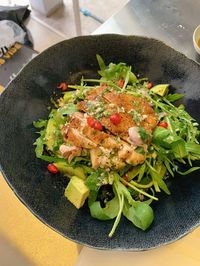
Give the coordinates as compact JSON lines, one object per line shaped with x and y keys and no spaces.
{"x":166,"y":139}
{"x":133,"y":172}
{"x":158,"y":178}
{"x":125,"y":169}
{"x":143,"y":134}
{"x":39,"y":143}
{"x":179,"y":148}
{"x":92,"y":182}
{"x":100,"y":61}
{"x":174,"y":97}
{"x":40,"y":123}
{"x":68,"y":96}
{"x":116,"y":72}
{"x":188,"y":171}
{"x":51,"y":159}
{"x":120,"y":196}
{"x":126,"y":78}
{"x":193,"y":148}
{"x":159,"y":134}
{"x":68,"y":109}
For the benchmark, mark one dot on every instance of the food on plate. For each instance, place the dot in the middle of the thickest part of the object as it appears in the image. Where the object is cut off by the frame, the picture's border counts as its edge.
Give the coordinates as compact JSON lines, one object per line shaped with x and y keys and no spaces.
{"x":119,"y":139}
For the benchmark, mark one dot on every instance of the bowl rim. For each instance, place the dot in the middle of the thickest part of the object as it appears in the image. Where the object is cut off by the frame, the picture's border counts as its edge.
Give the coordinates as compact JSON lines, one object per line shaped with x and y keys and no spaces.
{"x":197,"y":30}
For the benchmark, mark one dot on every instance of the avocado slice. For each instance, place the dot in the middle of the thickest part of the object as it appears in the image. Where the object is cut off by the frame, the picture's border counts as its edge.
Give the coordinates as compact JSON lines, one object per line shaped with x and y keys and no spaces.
{"x":76,"y":192}
{"x":132,"y":77}
{"x":54,"y":123}
{"x":67,"y":170}
{"x":160,"y":89}
{"x":50,"y":134}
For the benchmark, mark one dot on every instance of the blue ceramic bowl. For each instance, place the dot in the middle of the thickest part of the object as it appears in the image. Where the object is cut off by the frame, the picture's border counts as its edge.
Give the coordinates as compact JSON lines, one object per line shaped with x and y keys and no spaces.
{"x":26,"y":99}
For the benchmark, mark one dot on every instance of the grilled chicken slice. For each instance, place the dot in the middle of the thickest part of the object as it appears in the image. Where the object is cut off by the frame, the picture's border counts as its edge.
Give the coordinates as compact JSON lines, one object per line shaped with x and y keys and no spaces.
{"x":78,"y":139}
{"x":96,"y":137}
{"x":133,"y":110}
{"x":128,"y":102}
{"x":116,"y":146}
{"x":95,"y":93}
{"x":120,"y":129}
{"x":101,"y":157}
{"x":69,"y":152}
{"x":139,"y":107}
{"x":81,"y":106}
{"x":128,"y":154}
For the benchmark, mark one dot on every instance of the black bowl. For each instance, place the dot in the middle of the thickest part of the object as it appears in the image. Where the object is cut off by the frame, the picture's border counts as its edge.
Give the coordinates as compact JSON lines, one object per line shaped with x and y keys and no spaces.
{"x":26,"y":99}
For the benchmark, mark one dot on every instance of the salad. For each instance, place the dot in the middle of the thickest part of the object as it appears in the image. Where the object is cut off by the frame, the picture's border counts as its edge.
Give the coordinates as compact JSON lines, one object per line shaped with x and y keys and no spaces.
{"x":118,"y":139}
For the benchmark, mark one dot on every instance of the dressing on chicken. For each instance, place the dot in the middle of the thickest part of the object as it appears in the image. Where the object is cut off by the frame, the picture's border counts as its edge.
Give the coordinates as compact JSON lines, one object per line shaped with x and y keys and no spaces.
{"x":115,"y":144}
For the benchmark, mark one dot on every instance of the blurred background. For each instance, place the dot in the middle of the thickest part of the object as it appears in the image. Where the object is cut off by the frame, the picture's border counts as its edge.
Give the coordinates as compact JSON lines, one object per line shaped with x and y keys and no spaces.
{"x":53,"y":20}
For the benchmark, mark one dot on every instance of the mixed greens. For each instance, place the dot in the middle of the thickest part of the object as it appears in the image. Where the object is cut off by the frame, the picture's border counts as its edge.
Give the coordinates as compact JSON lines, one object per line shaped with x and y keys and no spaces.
{"x":123,"y":188}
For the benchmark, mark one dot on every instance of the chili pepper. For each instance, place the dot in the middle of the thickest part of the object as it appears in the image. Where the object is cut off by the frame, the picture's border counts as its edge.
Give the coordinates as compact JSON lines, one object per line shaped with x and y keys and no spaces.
{"x":115,"y":118}
{"x":52,"y":168}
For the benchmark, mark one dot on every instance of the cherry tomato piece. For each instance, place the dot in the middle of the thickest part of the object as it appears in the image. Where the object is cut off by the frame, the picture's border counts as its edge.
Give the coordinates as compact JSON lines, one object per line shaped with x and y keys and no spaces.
{"x":163,"y":124}
{"x":149,"y":85}
{"x":52,"y":168}
{"x":62,"y":86}
{"x":98,"y":126}
{"x":121,"y":83}
{"x":91,"y":121}
{"x":115,"y":118}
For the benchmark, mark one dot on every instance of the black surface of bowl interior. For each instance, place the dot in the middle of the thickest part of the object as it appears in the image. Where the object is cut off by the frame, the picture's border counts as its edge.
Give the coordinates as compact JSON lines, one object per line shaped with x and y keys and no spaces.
{"x":26,"y":99}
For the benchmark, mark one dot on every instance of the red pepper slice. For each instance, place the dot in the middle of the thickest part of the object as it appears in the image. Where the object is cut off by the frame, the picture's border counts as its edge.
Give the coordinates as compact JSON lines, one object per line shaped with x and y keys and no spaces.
{"x":163,"y":124}
{"x":52,"y":168}
{"x":115,"y":118}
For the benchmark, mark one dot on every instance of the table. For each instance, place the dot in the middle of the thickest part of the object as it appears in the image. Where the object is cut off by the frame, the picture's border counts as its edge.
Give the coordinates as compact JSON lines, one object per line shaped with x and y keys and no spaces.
{"x":10,"y":69}
{"x":171,"y":21}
